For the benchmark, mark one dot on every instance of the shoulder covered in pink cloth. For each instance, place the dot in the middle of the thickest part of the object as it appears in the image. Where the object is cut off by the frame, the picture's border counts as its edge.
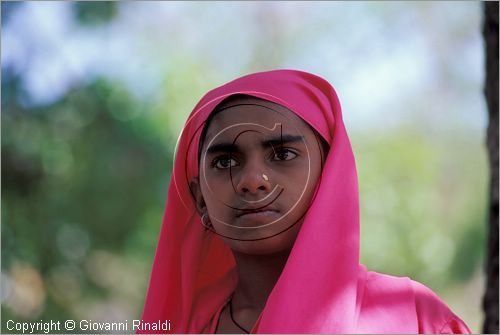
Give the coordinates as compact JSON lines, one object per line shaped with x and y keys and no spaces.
{"x":383,"y":296}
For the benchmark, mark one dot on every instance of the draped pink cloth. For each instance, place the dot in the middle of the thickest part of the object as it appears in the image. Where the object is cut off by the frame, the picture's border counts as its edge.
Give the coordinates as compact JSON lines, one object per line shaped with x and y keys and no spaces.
{"x":323,"y":288}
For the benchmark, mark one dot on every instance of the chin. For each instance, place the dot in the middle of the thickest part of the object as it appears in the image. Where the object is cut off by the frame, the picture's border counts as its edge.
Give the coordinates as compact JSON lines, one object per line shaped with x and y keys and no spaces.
{"x":267,"y":246}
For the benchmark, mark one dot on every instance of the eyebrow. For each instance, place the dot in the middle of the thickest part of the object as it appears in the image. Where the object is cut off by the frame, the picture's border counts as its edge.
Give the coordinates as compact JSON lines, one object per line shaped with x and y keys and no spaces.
{"x":274,"y":141}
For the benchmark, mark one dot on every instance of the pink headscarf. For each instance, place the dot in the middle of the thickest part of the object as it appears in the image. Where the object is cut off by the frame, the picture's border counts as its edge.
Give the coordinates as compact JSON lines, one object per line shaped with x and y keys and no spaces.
{"x":323,"y":286}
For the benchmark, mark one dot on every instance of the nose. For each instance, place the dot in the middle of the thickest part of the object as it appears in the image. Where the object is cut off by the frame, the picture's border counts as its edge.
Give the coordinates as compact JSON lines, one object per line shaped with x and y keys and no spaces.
{"x":252,"y":180}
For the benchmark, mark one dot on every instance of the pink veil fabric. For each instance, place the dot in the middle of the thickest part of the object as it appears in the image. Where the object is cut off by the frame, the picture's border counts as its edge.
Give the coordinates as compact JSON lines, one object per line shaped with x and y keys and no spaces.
{"x":323,"y":286}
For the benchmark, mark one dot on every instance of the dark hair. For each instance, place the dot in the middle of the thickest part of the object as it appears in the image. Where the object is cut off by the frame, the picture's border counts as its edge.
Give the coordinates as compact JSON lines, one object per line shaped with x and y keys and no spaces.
{"x":220,"y":107}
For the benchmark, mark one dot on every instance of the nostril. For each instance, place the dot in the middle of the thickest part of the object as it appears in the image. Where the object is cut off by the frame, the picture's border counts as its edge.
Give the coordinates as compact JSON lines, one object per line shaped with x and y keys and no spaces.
{"x":259,"y":188}
{"x":251,"y":183}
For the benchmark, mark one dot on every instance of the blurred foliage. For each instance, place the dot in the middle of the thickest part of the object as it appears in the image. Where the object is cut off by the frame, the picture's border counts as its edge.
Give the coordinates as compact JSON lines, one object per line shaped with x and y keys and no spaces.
{"x":432,"y":199}
{"x":94,"y":12}
{"x":81,"y":183}
{"x":84,"y":177}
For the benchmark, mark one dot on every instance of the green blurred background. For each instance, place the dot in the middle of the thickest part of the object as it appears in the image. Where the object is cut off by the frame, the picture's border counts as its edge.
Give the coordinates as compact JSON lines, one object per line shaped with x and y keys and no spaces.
{"x":94,"y":95}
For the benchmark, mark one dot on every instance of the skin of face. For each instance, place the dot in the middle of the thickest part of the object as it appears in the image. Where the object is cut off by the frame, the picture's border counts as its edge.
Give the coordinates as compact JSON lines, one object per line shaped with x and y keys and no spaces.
{"x":259,"y":168}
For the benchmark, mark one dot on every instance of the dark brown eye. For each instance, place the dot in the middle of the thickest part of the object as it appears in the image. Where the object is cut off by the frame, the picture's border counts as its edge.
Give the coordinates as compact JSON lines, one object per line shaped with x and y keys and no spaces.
{"x":284,"y":155}
{"x":224,"y":163}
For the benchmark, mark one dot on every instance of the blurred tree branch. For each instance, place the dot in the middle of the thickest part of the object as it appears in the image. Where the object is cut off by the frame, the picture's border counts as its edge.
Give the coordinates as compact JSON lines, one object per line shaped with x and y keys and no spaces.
{"x":490,"y":33}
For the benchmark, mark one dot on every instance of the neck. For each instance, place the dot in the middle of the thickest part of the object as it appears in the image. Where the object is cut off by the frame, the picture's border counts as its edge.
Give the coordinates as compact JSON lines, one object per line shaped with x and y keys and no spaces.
{"x":257,"y":275}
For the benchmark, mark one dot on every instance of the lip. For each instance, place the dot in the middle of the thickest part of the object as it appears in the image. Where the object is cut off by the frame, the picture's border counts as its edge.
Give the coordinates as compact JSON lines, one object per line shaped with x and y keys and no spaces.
{"x":245,"y":212}
{"x":263,"y":215}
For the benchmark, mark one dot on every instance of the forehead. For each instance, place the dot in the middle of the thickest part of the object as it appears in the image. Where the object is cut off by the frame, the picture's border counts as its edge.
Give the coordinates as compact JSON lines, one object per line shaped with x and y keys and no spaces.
{"x":256,"y":111}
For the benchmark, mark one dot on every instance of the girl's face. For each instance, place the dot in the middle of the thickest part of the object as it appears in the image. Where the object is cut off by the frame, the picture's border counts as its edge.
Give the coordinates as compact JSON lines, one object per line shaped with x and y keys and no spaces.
{"x":259,"y":168}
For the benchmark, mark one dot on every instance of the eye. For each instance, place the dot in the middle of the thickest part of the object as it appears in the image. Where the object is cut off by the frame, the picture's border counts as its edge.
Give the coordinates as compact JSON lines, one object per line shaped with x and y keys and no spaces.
{"x":224,"y":163}
{"x":284,"y":155}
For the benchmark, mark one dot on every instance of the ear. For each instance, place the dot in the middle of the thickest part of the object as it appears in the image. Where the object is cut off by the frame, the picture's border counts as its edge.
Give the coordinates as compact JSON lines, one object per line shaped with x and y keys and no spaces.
{"x":199,"y":201}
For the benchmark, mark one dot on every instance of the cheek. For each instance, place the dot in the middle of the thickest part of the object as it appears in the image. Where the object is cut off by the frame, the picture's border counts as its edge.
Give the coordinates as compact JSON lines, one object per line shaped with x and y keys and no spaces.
{"x":217,"y":196}
{"x":300,"y":182}
{"x":221,"y":182}
{"x":217,"y":189}
{"x":302,"y":189}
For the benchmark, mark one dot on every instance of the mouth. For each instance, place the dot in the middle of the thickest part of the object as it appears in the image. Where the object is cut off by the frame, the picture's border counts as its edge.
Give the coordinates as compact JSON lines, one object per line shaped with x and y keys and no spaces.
{"x":248,"y":211}
{"x":263,"y":215}
{"x":262,"y":211}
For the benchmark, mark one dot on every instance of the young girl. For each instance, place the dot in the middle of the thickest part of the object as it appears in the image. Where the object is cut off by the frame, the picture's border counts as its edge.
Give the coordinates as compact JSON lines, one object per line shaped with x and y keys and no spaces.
{"x":261,"y":227}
